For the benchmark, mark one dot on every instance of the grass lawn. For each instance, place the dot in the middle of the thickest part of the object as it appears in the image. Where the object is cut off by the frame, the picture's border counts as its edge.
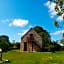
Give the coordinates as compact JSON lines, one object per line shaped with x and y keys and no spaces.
{"x":16,"y":57}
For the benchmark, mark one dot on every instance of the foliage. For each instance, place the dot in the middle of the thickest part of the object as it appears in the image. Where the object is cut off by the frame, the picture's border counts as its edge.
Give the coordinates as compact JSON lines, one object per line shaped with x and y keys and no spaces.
{"x":59,"y":9}
{"x":51,"y":48}
{"x":4,"y":45}
{"x":4,"y":42}
{"x":56,"y":23}
{"x":63,"y":35}
{"x":44,"y":34}
{"x":39,"y":29}
{"x":4,"y":37}
{"x":62,"y":48}
{"x":16,"y":45}
{"x":54,"y":46}
{"x":62,"y":41}
{"x":45,"y":37}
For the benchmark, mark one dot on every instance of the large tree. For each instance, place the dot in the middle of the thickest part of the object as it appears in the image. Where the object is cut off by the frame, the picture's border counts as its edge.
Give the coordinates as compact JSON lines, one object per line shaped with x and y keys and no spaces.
{"x":48,"y":44}
{"x":44,"y":34}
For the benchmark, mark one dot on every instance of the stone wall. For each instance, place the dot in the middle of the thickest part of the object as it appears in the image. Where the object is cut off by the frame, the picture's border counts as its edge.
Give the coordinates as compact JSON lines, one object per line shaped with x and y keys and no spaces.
{"x":37,"y":39}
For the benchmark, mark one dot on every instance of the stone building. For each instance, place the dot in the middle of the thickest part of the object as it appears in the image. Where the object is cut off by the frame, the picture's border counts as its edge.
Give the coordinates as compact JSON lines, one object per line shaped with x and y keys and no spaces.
{"x":31,"y":41}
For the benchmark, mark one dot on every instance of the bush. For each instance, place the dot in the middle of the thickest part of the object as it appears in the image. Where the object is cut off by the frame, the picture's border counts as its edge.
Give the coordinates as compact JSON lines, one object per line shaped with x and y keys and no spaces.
{"x":15,"y":45}
{"x":4,"y":45}
{"x":54,"y":46}
{"x":51,"y":48}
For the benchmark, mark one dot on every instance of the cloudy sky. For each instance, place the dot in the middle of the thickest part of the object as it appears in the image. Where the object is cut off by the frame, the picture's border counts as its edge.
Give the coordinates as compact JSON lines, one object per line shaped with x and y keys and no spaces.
{"x":18,"y":16}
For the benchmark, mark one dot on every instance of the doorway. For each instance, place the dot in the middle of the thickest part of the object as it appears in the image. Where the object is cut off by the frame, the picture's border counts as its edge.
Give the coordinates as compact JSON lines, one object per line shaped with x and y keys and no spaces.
{"x":25,"y":46}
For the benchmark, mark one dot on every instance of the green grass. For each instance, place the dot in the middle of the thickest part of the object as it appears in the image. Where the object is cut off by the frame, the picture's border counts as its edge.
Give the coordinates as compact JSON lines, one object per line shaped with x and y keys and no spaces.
{"x":16,"y":57}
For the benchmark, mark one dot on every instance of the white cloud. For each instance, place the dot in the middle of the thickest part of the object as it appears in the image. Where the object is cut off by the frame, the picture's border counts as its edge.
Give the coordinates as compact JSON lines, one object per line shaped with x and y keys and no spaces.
{"x":19,"y":22}
{"x":47,"y":3}
{"x":58,"y":32}
{"x":60,"y":18}
{"x":23,"y":32}
{"x":51,"y":7}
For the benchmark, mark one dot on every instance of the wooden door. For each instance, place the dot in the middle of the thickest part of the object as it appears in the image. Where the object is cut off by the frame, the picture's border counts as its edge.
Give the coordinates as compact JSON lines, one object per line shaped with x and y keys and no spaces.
{"x":25,"y":46}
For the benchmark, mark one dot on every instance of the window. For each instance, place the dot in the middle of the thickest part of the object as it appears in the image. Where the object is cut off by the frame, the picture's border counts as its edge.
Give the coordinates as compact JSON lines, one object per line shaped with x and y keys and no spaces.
{"x":31,"y":36}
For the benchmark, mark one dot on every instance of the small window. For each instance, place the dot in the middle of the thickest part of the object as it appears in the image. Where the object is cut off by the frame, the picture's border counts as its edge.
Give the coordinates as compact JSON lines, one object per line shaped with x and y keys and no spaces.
{"x":31,"y":35}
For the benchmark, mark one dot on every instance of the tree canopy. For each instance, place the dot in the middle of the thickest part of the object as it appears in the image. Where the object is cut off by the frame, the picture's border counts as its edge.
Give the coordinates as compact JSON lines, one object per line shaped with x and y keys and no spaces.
{"x":5,"y":37}
{"x":4,"y":42}
{"x":44,"y":34}
{"x":48,"y":45}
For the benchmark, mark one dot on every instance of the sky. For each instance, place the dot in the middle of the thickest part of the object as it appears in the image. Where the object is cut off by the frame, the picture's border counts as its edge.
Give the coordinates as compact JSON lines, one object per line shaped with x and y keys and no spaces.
{"x":18,"y":16}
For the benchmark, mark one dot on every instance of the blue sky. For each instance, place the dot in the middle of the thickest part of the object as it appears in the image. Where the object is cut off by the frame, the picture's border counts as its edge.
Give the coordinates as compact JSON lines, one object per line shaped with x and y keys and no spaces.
{"x":18,"y":16}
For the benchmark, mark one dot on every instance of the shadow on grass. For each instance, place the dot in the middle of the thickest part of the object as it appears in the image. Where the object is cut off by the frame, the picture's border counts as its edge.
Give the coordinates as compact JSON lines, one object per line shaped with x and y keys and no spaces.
{"x":5,"y":62}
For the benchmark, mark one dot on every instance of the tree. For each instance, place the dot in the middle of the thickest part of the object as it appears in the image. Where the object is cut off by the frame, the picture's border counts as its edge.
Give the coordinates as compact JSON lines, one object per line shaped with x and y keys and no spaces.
{"x":5,"y":38}
{"x":62,"y":41}
{"x":4,"y":42}
{"x":17,"y":45}
{"x":4,"y":45}
{"x":48,"y":44}
{"x":38,"y":29}
{"x":54,"y":46}
{"x":44,"y":34}
{"x":59,"y":8}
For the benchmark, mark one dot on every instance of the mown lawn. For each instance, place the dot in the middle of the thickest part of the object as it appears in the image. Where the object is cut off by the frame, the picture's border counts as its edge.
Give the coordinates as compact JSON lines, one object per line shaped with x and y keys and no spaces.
{"x":16,"y":57}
